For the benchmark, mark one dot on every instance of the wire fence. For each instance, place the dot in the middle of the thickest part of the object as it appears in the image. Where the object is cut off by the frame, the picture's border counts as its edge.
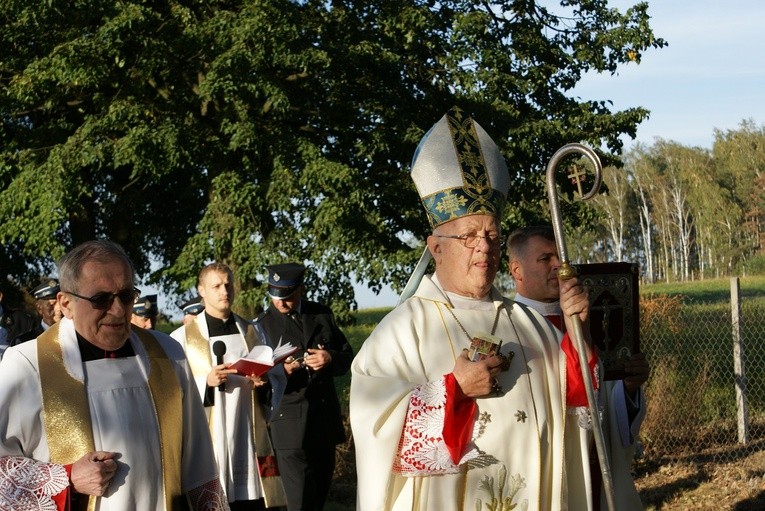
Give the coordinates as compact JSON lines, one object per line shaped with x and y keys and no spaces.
{"x":706,"y":392}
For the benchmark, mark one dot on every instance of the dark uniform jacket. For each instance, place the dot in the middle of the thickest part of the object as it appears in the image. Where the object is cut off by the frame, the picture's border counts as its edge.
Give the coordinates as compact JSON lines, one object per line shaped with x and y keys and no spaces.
{"x":21,"y":326}
{"x":309,"y":410}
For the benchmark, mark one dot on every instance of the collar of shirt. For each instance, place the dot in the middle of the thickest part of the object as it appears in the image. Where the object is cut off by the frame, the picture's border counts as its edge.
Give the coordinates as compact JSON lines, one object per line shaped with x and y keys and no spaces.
{"x":217,"y":327}
{"x":544,"y":308}
{"x":298,"y":309}
{"x":485,"y":303}
{"x":89,"y":351}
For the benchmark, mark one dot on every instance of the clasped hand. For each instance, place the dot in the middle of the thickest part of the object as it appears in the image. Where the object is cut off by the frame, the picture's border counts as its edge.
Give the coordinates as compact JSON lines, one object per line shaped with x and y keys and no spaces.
{"x":477,"y":379}
{"x":92,"y":473}
{"x":637,"y":371}
{"x":219,"y":374}
{"x":574,"y":301}
{"x":315,"y":359}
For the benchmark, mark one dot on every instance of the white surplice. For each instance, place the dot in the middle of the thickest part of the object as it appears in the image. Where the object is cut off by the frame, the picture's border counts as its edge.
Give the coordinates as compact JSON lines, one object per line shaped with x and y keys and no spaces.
{"x":123,"y":418}
{"x":520,"y":437}
{"x":231,"y":416}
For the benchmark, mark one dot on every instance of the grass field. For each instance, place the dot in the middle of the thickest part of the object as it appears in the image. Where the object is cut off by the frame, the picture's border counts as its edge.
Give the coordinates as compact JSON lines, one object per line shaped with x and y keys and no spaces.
{"x":708,"y":291}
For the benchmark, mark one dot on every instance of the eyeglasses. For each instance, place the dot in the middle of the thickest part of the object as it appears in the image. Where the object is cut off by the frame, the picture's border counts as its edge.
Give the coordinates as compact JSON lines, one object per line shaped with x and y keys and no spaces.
{"x":103,"y":301}
{"x":471,"y":240}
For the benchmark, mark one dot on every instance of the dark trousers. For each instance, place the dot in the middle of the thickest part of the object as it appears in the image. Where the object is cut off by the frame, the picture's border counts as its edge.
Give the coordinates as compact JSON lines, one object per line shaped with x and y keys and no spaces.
{"x":306,"y":475}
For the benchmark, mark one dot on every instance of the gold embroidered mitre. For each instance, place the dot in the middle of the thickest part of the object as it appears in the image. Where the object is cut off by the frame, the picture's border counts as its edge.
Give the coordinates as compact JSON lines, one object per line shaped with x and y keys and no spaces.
{"x":459,"y":171}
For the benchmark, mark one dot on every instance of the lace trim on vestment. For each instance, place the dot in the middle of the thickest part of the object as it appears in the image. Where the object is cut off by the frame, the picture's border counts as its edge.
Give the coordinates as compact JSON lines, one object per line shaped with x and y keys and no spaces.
{"x":582,"y":413}
{"x":29,"y":484}
{"x":208,"y":497}
{"x":421,"y":449}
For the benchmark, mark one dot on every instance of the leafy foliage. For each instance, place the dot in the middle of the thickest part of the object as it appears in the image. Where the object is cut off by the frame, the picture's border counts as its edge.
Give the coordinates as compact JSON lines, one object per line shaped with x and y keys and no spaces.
{"x":254,"y":132}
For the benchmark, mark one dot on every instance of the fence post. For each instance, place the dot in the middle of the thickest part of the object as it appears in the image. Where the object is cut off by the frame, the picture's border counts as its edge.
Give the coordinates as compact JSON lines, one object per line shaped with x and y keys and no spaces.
{"x":739,"y":374}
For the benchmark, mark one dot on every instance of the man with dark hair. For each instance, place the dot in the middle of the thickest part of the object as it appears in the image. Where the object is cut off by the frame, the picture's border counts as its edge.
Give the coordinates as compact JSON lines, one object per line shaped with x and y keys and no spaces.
{"x":46,"y":305}
{"x":306,"y":423}
{"x":95,"y":414}
{"x":534,"y":264}
{"x":213,"y":340}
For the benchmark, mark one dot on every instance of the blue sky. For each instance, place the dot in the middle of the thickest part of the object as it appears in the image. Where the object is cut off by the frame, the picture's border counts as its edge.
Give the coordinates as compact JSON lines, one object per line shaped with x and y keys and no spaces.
{"x":710,"y":76}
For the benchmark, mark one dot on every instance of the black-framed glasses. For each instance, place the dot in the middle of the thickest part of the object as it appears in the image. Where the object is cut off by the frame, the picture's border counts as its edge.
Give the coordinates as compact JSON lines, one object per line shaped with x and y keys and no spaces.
{"x":103,"y":301}
{"x":471,"y":240}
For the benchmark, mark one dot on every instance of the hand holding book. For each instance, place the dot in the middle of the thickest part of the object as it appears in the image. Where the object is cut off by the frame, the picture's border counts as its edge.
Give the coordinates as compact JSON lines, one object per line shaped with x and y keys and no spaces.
{"x":262,"y":358}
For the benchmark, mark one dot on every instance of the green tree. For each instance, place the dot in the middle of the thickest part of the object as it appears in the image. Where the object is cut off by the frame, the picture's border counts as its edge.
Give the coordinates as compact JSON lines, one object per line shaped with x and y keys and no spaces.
{"x":740,"y":158}
{"x":254,"y":132}
{"x":640,"y":169}
{"x":618,"y":208}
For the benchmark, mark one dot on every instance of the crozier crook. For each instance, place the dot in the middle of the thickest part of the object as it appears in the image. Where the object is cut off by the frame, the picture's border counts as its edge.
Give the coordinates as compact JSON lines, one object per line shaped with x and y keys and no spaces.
{"x":566,"y":272}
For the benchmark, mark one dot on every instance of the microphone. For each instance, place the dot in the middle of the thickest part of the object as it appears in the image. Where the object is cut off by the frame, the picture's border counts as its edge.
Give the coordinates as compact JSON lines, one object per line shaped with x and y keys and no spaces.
{"x":219,"y":348}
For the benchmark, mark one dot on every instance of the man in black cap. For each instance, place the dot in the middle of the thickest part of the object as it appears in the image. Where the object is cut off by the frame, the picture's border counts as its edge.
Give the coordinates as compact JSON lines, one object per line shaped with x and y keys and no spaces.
{"x":46,"y":305}
{"x":307,"y":424}
{"x":16,"y":325}
{"x":191,"y":309}
{"x":145,"y":312}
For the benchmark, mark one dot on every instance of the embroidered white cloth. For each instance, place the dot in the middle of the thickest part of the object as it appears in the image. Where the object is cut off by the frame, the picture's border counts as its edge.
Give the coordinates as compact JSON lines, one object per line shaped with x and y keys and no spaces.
{"x":29,"y":484}
{"x":422,"y":450}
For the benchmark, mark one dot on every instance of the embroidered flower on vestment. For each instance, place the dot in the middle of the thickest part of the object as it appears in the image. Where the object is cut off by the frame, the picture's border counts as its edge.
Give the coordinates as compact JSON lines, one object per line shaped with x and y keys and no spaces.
{"x":430,"y":422}
{"x":502,"y":491}
{"x":479,"y":426}
{"x":432,"y":394}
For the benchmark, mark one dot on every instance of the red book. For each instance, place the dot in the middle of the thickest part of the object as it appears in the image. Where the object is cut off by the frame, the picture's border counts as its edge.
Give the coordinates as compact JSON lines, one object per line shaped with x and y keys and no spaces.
{"x":262,"y":358}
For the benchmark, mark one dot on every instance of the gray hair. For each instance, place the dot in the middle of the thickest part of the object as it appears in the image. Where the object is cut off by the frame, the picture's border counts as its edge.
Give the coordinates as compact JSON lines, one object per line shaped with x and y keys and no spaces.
{"x":99,"y":251}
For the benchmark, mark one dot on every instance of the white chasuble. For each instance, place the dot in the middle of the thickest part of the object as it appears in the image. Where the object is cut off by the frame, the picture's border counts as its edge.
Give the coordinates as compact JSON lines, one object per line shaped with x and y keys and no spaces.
{"x":517,"y":454}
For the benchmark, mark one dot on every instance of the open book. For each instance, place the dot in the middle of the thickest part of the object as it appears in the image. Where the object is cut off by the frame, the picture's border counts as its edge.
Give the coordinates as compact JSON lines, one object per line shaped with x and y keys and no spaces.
{"x":261,"y":358}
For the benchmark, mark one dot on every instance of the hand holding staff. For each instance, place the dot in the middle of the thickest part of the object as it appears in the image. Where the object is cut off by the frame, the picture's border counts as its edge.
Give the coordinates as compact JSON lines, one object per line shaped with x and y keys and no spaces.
{"x":567,"y":272}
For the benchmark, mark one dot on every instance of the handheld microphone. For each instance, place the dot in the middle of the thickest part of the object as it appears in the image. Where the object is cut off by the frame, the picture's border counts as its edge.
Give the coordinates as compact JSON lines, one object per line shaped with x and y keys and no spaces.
{"x":219,"y":348}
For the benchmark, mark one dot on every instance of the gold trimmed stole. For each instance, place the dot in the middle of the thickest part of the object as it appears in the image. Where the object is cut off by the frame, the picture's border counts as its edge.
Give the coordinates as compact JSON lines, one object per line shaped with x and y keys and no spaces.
{"x":67,"y":420}
{"x":200,"y":360}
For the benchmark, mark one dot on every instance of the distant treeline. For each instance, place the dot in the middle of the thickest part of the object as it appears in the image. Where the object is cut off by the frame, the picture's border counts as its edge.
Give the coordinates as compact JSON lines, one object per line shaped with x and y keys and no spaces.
{"x":684,"y":213}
